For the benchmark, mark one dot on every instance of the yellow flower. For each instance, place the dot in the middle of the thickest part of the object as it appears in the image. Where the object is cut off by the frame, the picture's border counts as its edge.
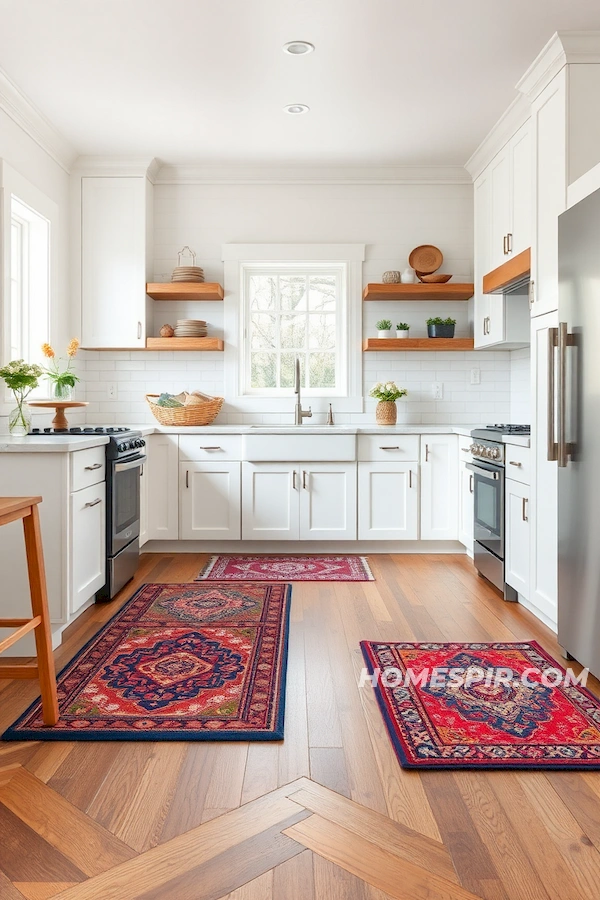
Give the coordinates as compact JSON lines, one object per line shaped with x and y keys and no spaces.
{"x":48,"y":351}
{"x":73,"y":347}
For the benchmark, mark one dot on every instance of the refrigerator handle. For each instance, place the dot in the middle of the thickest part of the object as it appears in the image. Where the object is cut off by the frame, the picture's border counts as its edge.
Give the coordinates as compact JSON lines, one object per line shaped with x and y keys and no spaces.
{"x":564,"y":340}
{"x":552,"y":452}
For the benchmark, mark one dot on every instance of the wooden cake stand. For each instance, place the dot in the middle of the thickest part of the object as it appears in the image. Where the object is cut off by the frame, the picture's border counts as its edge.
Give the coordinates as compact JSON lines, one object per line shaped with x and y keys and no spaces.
{"x":59,"y":420}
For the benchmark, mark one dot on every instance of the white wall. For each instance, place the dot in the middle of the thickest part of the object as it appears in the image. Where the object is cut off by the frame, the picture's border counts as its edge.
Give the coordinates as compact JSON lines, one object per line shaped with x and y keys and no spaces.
{"x":520,"y":386}
{"x":389,"y":219}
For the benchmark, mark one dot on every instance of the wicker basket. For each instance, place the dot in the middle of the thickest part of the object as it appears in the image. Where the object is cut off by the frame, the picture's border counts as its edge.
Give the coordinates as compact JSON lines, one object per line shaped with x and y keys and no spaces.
{"x":386,"y":412}
{"x":201,"y":414}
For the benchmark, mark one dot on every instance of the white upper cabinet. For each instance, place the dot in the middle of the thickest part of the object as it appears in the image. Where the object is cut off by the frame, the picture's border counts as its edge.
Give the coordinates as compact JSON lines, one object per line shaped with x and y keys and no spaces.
{"x":520,"y":150}
{"x":500,"y":211}
{"x":115,"y":214}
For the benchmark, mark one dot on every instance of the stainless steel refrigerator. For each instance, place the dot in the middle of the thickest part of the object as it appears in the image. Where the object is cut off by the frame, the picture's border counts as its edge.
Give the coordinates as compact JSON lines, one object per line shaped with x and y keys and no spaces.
{"x":574,"y":404}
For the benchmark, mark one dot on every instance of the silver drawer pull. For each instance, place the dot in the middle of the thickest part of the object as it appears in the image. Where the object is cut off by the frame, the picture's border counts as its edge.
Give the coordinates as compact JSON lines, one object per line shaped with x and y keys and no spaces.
{"x":210,"y":448}
{"x":94,"y":467}
{"x":519,"y":465}
{"x":93,"y":503}
{"x":389,"y":448}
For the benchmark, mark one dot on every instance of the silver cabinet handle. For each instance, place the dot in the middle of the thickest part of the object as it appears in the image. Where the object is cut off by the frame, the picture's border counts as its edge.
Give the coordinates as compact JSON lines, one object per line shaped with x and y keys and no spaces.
{"x":187,"y":478}
{"x":139,"y":331}
{"x":209,"y":448}
{"x":410,"y":478}
{"x":471,"y":483}
{"x":94,"y":467}
{"x":294,"y":480}
{"x":519,"y":465}
{"x":524,"y":512}
{"x":509,"y":243}
{"x":389,"y":448}
{"x":304,"y":475}
{"x":531,"y":293}
{"x":92,"y":503}
{"x":552,"y":448}
{"x":505,"y":244}
{"x":426,"y":452}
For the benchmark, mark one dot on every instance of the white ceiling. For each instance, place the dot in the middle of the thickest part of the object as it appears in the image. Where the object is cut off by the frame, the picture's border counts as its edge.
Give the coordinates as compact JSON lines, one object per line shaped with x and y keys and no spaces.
{"x":391,"y":81}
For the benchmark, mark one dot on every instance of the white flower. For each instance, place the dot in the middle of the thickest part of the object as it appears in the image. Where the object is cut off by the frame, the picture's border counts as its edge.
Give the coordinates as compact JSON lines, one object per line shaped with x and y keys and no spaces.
{"x":390,"y":386}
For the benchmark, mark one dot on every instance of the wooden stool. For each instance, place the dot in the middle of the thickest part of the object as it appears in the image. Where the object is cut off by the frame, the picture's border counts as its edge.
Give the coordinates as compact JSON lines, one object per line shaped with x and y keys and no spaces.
{"x":11,"y":509}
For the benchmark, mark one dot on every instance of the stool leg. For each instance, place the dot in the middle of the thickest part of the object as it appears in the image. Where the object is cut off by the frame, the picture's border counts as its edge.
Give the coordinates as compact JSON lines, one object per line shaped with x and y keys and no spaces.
{"x":39,"y":604}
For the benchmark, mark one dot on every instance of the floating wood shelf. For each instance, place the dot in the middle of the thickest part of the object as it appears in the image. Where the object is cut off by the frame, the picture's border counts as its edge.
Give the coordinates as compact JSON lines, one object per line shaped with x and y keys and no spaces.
{"x":185,"y":291}
{"x":447,"y":291}
{"x":174,"y":343}
{"x":401,"y":344}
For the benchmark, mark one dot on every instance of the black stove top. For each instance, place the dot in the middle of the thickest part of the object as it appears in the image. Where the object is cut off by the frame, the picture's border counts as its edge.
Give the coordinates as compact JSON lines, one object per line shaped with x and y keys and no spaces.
{"x":82,"y":431}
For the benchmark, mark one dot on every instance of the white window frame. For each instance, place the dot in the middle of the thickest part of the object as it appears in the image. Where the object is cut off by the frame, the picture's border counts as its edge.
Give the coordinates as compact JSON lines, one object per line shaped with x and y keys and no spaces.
{"x":239,"y":259}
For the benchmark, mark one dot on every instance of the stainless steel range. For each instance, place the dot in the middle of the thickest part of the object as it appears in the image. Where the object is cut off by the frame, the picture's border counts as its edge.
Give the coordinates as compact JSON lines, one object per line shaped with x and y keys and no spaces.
{"x":487,"y":466}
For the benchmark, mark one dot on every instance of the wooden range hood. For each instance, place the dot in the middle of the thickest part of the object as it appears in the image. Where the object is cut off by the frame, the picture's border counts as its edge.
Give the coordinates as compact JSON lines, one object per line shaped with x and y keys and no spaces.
{"x":509,"y":274}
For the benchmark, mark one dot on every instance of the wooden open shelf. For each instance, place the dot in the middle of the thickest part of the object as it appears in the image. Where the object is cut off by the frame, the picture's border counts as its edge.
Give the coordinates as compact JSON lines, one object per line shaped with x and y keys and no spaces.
{"x":401,"y":344}
{"x":419,"y":291}
{"x":174,"y":343}
{"x":183,"y":291}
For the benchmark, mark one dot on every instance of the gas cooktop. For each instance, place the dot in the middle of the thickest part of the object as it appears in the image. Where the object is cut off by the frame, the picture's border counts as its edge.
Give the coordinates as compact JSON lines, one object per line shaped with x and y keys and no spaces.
{"x":86,"y":430}
{"x":495,"y":432}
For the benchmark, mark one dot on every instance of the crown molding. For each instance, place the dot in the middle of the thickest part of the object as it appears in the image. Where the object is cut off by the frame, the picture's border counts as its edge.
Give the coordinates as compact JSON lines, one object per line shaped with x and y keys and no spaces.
{"x":303,"y":174}
{"x":117,"y":165}
{"x":507,"y":125}
{"x":28,"y":117}
{"x":563,"y":48}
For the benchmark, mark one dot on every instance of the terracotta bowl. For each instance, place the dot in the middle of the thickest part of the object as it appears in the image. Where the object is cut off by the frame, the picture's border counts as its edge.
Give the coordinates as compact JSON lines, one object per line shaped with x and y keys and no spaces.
{"x":433,"y":279}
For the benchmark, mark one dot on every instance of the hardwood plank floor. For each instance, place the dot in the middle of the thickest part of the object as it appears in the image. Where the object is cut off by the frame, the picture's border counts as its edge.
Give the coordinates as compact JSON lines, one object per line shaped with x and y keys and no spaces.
{"x":208,"y":820}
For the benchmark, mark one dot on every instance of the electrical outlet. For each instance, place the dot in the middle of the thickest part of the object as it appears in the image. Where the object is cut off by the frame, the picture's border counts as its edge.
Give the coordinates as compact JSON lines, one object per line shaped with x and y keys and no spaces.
{"x":475,"y":376}
{"x":438,"y":390}
{"x":111,"y":390}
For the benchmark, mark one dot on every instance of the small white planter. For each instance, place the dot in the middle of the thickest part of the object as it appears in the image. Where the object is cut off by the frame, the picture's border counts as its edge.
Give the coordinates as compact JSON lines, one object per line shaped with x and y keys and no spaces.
{"x":402,"y":333}
{"x":384,"y":334}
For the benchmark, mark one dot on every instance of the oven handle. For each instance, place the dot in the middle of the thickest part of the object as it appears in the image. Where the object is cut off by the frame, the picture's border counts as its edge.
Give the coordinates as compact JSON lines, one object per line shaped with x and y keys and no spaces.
{"x":485,"y":473}
{"x":136,"y":463}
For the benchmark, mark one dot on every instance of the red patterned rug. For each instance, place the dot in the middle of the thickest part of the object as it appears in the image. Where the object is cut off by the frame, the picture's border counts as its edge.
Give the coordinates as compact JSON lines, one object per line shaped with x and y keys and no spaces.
{"x":178,"y":662}
{"x":286,"y":568}
{"x":482,"y":706}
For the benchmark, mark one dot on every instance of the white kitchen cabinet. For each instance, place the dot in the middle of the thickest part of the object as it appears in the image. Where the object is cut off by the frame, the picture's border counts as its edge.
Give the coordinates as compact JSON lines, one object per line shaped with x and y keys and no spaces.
{"x":544,"y":481}
{"x":270,"y":501}
{"x":299,"y":501}
{"x":465,"y":507}
{"x":520,"y":149}
{"x":162,"y":472}
{"x":439,"y":487}
{"x":388,"y":501}
{"x":143,"y":504}
{"x":210,"y":500}
{"x":517,"y":536}
{"x":482,"y":255}
{"x":500,"y":209}
{"x":328,"y":499}
{"x":115,"y":257}
{"x":87,"y":545}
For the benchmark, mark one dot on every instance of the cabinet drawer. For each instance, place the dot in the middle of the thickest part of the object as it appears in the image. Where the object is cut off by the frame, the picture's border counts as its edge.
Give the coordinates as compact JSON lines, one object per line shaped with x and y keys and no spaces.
{"x":210,"y":447}
{"x":518,"y":463}
{"x":87,"y":467}
{"x":386,"y":448}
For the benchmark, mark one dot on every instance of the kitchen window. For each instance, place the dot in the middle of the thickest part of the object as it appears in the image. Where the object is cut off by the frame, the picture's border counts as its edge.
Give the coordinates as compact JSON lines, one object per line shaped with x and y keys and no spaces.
{"x":29,"y":298}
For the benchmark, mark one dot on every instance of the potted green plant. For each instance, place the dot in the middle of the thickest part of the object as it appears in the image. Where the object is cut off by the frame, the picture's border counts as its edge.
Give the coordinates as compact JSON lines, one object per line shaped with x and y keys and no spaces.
{"x":440,"y":328}
{"x":402,"y":330}
{"x":22,"y":378}
{"x":64,"y":381}
{"x":384,"y":328}
{"x":387,"y":393}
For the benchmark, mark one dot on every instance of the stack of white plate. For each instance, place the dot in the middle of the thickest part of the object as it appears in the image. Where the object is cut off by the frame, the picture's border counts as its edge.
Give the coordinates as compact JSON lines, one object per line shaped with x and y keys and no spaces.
{"x":192,"y":274}
{"x":190,"y":328}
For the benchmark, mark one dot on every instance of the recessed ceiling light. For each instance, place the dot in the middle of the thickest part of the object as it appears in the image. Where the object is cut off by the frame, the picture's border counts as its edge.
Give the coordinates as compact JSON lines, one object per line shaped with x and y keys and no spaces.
{"x":298,"y":48}
{"x":296,"y":109}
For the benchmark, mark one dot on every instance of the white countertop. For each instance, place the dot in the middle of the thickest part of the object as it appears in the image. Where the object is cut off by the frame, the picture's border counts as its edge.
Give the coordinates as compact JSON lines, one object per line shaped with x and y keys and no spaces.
{"x":42,"y":444}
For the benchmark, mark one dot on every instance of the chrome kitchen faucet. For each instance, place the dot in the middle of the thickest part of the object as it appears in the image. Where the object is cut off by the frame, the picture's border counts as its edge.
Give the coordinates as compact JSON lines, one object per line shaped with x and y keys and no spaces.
{"x":299,"y":413}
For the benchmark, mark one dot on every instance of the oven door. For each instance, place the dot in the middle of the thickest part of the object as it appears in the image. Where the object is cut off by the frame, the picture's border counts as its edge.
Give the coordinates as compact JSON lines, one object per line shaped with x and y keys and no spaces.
{"x":488,"y":490}
{"x":124,"y":503}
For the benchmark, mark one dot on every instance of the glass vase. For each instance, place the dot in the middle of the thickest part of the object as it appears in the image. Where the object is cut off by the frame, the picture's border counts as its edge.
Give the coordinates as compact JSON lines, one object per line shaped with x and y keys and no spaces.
{"x":19,"y":420}
{"x":61,"y":391}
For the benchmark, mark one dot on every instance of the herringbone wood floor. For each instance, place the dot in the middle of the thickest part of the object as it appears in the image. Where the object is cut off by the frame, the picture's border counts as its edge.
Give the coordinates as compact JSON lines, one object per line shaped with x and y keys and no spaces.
{"x":328,"y":813}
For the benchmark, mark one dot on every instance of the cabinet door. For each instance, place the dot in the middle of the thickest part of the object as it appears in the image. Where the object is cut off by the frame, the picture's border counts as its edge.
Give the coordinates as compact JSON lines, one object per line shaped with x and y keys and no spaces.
{"x":439,"y":487}
{"x":143,"y":504}
{"x":328,"y":501}
{"x":113,"y":262}
{"x":516,"y":556}
{"x":388,"y":501}
{"x":162,"y":471}
{"x":544,"y":482}
{"x":465,"y":508}
{"x":270,"y":501}
{"x":521,"y":190}
{"x":87,"y":544}
{"x":500,"y":206}
{"x":549,"y":127}
{"x":210,"y":501}
{"x":482,"y":256}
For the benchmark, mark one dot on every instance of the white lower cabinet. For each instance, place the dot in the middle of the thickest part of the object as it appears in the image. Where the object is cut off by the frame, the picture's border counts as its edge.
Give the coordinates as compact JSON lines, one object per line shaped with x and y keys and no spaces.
{"x":162,"y":472}
{"x":388,"y":501}
{"x":87,"y":544}
{"x":210,"y":501}
{"x":516,"y":553}
{"x":465,"y":507}
{"x":439,"y":487}
{"x":298,"y":501}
